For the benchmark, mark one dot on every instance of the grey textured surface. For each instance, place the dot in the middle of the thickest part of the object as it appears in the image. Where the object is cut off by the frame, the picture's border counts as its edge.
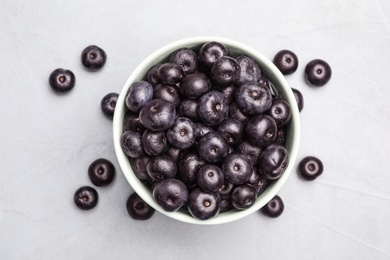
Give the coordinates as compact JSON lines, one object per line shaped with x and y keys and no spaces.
{"x":47,"y":141}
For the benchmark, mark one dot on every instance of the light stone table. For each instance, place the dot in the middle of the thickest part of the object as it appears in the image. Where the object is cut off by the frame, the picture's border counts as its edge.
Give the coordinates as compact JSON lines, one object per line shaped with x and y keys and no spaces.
{"x":47,"y":141}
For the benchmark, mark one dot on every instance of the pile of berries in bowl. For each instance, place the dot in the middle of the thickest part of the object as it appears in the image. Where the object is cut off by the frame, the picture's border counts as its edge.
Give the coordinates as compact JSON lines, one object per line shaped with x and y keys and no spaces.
{"x":206,"y":130}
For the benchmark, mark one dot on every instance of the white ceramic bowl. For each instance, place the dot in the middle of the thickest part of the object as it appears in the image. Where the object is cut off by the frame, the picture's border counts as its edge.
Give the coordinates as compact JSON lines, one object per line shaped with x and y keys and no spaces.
{"x":267,"y":67}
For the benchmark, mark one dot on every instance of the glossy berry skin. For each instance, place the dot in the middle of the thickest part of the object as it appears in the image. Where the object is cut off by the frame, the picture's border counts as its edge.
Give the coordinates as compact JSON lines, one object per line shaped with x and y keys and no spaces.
{"x":229,"y":92}
{"x":286,"y":61}
{"x":62,"y":80}
{"x":188,"y":167}
{"x":86,"y":198}
{"x":225,"y":71}
{"x":253,"y":98}
{"x":161,"y":167}
{"x":317,"y":73}
{"x":157,"y":115}
{"x":243,"y":197}
{"x":194,"y":85}
{"x":260,"y":183}
{"x":213,"y":147}
{"x":188,"y":108}
{"x":310,"y":168}
{"x":225,"y":205}
{"x":201,"y":130}
{"x":186,"y":59}
{"x":210,"y":52}
{"x":273,"y":161}
{"x":274,"y":208}
{"x":132,"y":122}
{"x":213,"y":108}
{"x":154,"y":142}
{"x":233,"y":130}
{"x":210,"y":178}
{"x":280,"y":111}
{"x":93,"y":57}
{"x":101,"y":172}
{"x":237,"y":168}
{"x":236,"y":113}
{"x":261,"y":130}
{"x":131,"y":144}
{"x":203,"y":205}
{"x":152,"y":75}
{"x":137,"y":208}
{"x":174,"y":153}
{"x":139,"y":167}
{"x":170,"y":93}
{"x":170,"y":73}
{"x":171,"y":194}
{"x":299,"y":98}
{"x":225,"y":190}
{"x":251,"y":152}
{"x":108,"y":104}
{"x":139,"y":93}
{"x":182,"y":134}
{"x":250,"y":71}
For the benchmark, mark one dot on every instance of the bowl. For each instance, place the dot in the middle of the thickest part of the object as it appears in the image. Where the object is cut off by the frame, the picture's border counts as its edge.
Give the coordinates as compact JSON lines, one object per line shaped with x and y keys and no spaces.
{"x":280,"y":85}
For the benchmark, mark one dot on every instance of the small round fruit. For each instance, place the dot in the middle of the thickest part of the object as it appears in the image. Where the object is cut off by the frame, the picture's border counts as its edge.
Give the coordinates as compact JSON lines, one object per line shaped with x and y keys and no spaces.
{"x":317,"y":73}
{"x":86,"y":197}
{"x":93,"y":57}
{"x":286,"y":61}
{"x":261,"y":130}
{"x":233,"y":130}
{"x":169,"y":73}
{"x":161,"y":167}
{"x":299,"y":98}
{"x":203,"y":205}
{"x":225,"y":190}
{"x":201,"y":130}
{"x":213,"y":147}
{"x":280,"y":111}
{"x":108,"y":104}
{"x":194,"y":85}
{"x":152,"y":75}
{"x":273,"y":161}
{"x":171,"y":194}
{"x":131,"y":144}
{"x":158,"y":115}
{"x":250,"y":71}
{"x":225,"y":205}
{"x":310,"y":168}
{"x":137,"y":208}
{"x":170,"y":93}
{"x":213,"y":108}
{"x":188,"y":167}
{"x":132,"y":122}
{"x":274,"y":208}
{"x":186,"y":59}
{"x":210,"y":178}
{"x":237,"y":169}
{"x":154,"y":142}
{"x":139,"y":167}
{"x":210,"y":52}
{"x":62,"y":80}
{"x":253,"y":98}
{"x":243,"y":197}
{"x":236,"y":113}
{"x":225,"y":71}
{"x":140,"y":92}
{"x":182,"y":134}
{"x":252,"y":152}
{"x":188,"y":108}
{"x":101,"y":172}
{"x":229,"y":92}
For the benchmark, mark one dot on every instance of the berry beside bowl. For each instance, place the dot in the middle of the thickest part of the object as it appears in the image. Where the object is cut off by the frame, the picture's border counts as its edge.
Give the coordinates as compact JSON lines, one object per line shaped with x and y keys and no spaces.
{"x":279,"y":87}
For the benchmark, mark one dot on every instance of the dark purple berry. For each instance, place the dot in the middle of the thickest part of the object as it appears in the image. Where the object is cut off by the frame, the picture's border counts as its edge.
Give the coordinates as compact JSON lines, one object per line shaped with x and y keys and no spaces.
{"x":93,"y":57}
{"x":62,"y":80}
{"x":250,"y":71}
{"x":273,"y":161}
{"x":310,"y":168}
{"x":213,"y":108}
{"x":157,"y":115}
{"x":201,"y":130}
{"x":152,"y":75}
{"x":299,"y":98}
{"x":253,"y":98}
{"x":188,"y":108}
{"x":225,"y":71}
{"x":280,"y":111}
{"x":193,"y":86}
{"x":108,"y":104}
{"x":188,"y":167}
{"x":233,"y":130}
{"x":237,"y":168}
{"x":274,"y":208}
{"x":182,"y":134}
{"x":286,"y":61}
{"x":225,"y":190}
{"x":210,"y":178}
{"x":243,"y":197}
{"x":132,"y":122}
{"x":237,"y":114}
{"x":131,"y":144}
{"x":154,"y":142}
{"x":170,"y":93}
{"x":170,"y":73}
{"x":213,"y":147}
{"x":225,"y":205}
{"x":139,"y":167}
{"x":261,"y":130}
{"x":202,"y":205}
{"x":210,"y":52}
{"x":161,"y":167}
{"x":171,"y":194}
{"x":86,"y":198}
{"x":317,"y":73}
{"x":252,"y":152}
{"x":101,"y":172}
{"x":229,"y":92}
{"x":186,"y":59}
{"x":174,"y":153}
{"x":139,"y":94}
{"x":137,"y":208}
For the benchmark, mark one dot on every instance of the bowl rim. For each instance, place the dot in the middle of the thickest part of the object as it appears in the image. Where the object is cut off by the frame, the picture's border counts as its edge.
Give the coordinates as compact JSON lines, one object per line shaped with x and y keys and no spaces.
{"x":276,"y":77}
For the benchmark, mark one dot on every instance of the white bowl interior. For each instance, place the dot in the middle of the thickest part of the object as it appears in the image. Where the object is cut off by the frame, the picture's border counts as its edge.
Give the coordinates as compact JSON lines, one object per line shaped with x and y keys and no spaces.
{"x":235,"y":48}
